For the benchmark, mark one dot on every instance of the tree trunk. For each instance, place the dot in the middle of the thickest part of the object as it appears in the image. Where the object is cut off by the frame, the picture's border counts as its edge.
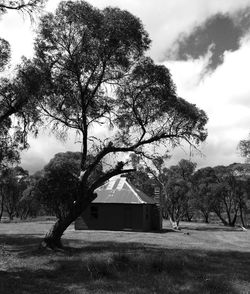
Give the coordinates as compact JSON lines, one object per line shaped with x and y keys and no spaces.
{"x":225,"y":223}
{"x":53,"y":238}
{"x":1,"y":208}
{"x":229,"y":218}
{"x":189,"y":216}
{"x":232,"y":222}
{"x":206,"y":217}
{"x":242,"y":217}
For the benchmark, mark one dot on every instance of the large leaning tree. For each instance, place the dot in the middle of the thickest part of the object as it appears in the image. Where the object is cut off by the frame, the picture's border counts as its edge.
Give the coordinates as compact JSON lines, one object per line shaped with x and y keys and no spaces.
{"x":92,"y":73}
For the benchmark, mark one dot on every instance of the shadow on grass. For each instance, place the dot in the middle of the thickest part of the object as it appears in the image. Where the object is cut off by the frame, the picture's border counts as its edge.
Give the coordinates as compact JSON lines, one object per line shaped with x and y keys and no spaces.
{"x":211,"y":228}
{"x":22,"y":280}
{"x":112,"y":267}
{"x":22,"y":244}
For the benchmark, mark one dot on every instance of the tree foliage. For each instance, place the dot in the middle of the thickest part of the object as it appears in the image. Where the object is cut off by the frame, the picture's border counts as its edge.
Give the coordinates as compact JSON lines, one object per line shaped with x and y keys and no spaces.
{"x":179,"y":191}
{"x":4,"y":53}
{"x":13,"y":133}
{"x":222,"y":190}
{"x":12,"y":96}
{"x":174,"y":184}
{"x":244,"y":147}
{"x":58,"y":186}
{"x":142,"y":181}
{"x":231,"y":191}
{"x":204,"y":185}
{"x":30,"y":203}
{"x":59,"y":183}
{"x":12,"y":185}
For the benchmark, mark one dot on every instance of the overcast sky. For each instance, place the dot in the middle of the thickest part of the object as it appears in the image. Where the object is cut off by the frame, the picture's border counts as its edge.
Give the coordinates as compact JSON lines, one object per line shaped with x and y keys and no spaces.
{"x":206,"y":46}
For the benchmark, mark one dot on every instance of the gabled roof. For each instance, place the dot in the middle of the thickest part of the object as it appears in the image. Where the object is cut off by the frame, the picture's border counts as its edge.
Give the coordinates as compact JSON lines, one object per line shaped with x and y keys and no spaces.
{"x":119,"y":190}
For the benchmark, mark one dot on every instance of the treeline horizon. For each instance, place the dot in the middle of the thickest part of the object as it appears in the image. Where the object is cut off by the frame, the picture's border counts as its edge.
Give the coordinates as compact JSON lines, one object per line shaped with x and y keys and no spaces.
{"x":220,"y":193}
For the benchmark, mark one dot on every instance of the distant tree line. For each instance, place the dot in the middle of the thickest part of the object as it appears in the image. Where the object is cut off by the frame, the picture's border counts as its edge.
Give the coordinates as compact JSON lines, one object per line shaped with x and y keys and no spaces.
{"x":16,"y":199}
{"x":47,"y":192}
{"x":51,"y":191}
{"x":219,"y":193}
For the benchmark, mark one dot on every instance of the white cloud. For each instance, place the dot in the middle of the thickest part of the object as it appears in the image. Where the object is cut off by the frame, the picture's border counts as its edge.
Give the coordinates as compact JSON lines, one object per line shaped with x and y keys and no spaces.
{"x":18,"y":30}
{"x":43,"y":148}
{"x":223,"y":95}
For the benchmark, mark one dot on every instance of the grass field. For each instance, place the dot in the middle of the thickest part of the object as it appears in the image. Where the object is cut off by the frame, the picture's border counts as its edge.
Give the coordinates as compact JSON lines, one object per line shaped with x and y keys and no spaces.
{"x":199,"y":259}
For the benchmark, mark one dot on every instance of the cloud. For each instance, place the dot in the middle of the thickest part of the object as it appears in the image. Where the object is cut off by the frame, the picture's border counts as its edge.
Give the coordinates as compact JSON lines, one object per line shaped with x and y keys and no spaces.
{"x":224,"y":95}
{"x":19,"y":32}
{"x":164,"y":20}
{"x":218,"y":34}
{"x":44,"y":147}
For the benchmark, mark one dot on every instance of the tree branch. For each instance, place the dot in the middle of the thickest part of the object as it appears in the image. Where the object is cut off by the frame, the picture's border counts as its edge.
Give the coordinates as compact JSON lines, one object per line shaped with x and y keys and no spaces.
{"x":29,"y":6}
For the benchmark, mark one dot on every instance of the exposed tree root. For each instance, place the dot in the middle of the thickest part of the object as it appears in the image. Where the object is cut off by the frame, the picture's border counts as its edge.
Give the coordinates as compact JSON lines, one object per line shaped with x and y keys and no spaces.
{"x":51,"y":245}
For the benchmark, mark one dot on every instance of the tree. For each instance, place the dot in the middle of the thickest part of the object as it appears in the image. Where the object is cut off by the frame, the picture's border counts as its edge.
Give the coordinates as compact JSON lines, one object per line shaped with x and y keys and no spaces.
{"x":222,"y":190}
{"x":176,"y":199}
{"x":244,"y":147}
{"x":30,"y":205}
{"x":226,"y":196}
{"x":4,"y":53}
{"x":141,"y":180}
{"x":203,"y":186}
{"x":174,"y":184}
{"x":30,"y":7}
{"x":14,"y":94}
{"x":178,"y":191}
{"x":241,"y":174}
{"x":93,"y":72}
{"x":150,"y":175}
{"x":186,"y":171}
{"x":12,"y":186}
{"x":13,"y":137}
{"x":229,"y":193}
{"x":59,"y":183}
{"x":8,"y":146}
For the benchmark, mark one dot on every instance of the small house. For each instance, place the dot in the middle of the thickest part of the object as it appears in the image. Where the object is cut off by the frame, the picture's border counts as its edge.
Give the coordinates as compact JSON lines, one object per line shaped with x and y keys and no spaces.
{"x":120,"y":206}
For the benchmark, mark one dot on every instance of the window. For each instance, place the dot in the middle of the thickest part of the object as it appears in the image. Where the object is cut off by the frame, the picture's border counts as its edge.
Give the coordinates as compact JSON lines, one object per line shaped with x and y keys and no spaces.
{"x":94,"y":212}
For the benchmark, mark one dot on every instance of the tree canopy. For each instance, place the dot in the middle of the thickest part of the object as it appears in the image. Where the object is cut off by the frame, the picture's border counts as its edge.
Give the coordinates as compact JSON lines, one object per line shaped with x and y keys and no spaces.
{"x":13,"y":137}
{"x":92,"y":71}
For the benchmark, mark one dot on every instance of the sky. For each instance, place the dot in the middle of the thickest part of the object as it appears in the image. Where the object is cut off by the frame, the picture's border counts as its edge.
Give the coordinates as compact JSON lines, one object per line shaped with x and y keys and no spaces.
{"x":206,"y":46}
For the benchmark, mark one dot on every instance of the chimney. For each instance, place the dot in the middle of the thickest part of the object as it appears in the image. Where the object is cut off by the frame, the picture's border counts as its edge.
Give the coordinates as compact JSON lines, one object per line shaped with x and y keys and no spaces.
{"x":158,"y":200}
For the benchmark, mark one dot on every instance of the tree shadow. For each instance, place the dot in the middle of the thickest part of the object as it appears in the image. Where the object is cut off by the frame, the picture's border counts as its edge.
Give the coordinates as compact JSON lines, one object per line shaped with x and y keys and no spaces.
{"x":21,"y":243}
{"x":210,"y":228}
{"x":23,"y":281}
{"x":130,"y":269}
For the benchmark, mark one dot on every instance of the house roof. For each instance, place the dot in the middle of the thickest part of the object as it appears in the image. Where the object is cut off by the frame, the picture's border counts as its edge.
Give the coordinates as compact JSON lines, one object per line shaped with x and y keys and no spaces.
{"x":119,"y":190}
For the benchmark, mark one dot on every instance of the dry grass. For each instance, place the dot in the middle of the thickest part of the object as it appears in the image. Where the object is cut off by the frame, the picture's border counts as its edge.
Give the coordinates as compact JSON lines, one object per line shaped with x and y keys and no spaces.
{"x":209,"y":259}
